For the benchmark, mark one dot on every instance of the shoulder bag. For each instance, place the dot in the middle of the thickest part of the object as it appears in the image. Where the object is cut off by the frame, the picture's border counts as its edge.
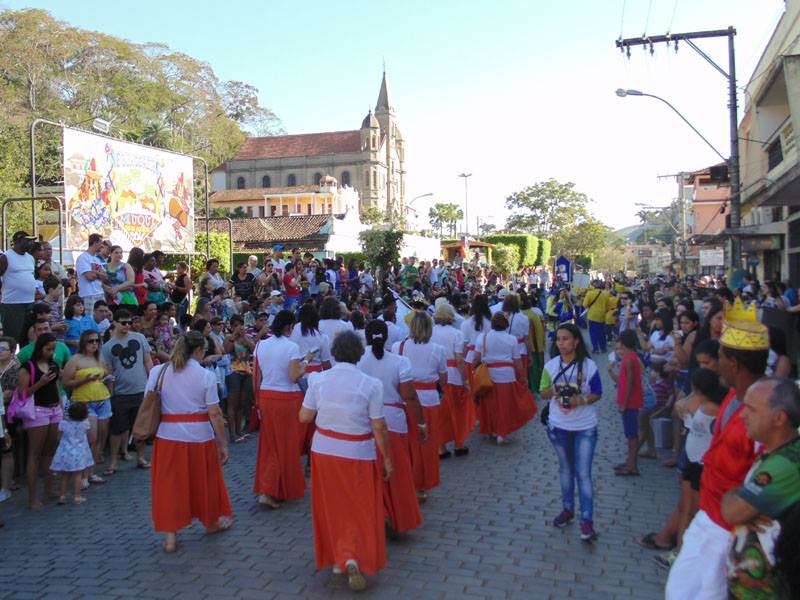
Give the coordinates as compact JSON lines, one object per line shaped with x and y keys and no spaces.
{"x":22,"y":406}
{"x":483,"y":382}
{"x":149,"y":416}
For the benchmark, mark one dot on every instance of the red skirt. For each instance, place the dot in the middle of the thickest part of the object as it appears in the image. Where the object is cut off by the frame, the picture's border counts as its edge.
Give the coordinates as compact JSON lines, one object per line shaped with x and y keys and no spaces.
{"x":399,"y":496}
{"x":506,"y":408}
{"x":457,"y":416}
{"x":347,"y":513}
{"x":187,"y":483}
{"x":425,"y":456}
{"x":280,"y":440}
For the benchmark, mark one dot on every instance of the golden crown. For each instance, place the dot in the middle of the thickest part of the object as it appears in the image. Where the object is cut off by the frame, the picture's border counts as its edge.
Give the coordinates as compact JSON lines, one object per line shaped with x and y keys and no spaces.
{"x":741,"y":330}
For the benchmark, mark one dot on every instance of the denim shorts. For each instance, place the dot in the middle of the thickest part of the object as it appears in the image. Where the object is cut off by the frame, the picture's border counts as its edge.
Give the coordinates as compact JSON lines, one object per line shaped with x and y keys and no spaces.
{"x":101,"y":409}
{"x":630,"y":423}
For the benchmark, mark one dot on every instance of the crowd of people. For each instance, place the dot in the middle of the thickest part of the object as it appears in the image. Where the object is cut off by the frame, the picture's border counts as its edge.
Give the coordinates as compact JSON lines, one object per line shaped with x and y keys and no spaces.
{"x":357,"y":382}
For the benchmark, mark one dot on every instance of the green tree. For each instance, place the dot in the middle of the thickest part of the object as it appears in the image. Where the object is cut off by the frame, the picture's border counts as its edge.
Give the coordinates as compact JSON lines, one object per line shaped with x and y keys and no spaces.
{"x":380,"y":246}
{"x":486,"y":228}
{"x":505,"y":258}
{"x":372,"y":215}
{"x":443,"y":215}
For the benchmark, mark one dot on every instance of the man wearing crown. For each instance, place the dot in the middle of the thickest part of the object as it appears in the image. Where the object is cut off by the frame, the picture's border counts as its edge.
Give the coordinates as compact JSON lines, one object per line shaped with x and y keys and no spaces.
{"x":699,"y":570}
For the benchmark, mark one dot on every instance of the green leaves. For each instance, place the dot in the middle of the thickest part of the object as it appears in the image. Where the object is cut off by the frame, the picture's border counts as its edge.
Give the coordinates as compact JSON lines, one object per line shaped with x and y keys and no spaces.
{"x":506,"y":259}
{"x":380,"y":246}
{"x":445,"y":215}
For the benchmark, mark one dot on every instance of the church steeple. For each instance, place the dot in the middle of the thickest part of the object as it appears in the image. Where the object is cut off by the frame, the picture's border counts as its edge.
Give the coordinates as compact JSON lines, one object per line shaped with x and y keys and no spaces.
{"x":383,"y":104}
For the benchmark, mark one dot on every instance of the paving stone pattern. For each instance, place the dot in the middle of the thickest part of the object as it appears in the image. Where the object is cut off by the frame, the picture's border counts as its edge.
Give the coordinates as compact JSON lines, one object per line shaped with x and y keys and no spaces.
{"x":487,"y":534}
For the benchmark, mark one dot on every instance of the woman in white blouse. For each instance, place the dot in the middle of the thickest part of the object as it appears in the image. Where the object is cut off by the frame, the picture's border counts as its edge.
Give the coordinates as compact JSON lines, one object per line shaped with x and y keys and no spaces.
{"x":478,"y":323}
{"x":330,"y":319}
{"x":458,"y":410}
{"x":429,"y":372}
{"x":509,"y":405}
{"x":346,"y":489}
{"x":187,"y":478}
{"x":661,"y":343}
{"x":399,"y":396}
{"x":279,"y":364}
{"x":519,"y":326}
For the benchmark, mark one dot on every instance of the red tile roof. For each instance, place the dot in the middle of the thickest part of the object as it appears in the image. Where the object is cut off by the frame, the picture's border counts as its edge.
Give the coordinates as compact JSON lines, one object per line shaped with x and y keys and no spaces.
{"x":306,"y":144}
{"x":251,"y":194}
{"x":308,"y":231}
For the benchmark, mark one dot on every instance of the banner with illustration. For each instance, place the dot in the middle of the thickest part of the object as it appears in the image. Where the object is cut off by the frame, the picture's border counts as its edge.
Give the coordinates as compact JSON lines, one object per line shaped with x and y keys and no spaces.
{"x":132,"y":195}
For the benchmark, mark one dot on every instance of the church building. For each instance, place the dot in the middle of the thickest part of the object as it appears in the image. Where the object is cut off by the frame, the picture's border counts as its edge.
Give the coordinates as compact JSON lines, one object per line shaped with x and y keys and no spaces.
{"x":369,"y":159}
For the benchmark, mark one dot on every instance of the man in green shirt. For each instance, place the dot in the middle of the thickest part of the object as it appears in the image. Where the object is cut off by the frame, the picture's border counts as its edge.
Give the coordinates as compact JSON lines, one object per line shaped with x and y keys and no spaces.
{"x":770,"y":490}
{"x":410,"y":273}
{"x":61,"y":355}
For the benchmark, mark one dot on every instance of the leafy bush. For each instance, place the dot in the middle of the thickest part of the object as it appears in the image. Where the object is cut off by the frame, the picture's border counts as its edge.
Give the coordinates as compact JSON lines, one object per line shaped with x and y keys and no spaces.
{"x":220,"y":250}
{"x":527,"y":246}
{"x":381,"y":247}
{"x":506,"y":259}
{"x":543,"y":256}
{"x":584,"y":260}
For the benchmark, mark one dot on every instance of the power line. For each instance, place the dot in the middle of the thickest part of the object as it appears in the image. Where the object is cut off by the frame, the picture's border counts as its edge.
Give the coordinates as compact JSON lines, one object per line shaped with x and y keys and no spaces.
{"x":622,"y":21}
{"x":647,"y":20}
{"x":672,"y":19}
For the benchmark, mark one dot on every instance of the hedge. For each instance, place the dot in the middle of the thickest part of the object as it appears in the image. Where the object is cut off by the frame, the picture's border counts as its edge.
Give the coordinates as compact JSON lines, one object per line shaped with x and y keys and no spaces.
{"x":219,"y":250}
{"x":506,"y":258}
{"x":584,"y":260}
{"x":543,"y":255}
{"x":528,"y":245}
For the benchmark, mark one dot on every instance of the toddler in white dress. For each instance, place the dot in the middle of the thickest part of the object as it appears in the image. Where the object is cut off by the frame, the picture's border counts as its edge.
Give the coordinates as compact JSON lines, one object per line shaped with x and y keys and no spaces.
{"x":73,"y":455}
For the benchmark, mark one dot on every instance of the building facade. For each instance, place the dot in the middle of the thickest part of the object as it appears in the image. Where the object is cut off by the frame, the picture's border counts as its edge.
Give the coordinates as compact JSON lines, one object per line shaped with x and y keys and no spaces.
{"x":369,"y":159}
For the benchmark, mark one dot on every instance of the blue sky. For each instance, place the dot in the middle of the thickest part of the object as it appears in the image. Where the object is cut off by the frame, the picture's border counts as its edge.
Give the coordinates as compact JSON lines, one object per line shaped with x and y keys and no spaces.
{"x":514,"y":92}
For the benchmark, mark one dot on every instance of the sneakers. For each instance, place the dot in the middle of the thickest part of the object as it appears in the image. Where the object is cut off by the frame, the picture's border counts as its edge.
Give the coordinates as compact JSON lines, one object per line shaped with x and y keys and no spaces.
{"x":565,"y":518}
{"x":588,"y":534}
{"x":666,"y":559}
{"x":355,"y":579}
{"x":4,"y":495}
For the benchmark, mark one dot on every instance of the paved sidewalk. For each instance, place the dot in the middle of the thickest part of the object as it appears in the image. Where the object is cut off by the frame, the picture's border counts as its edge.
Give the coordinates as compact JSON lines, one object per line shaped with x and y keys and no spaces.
{"x":486,"y":535}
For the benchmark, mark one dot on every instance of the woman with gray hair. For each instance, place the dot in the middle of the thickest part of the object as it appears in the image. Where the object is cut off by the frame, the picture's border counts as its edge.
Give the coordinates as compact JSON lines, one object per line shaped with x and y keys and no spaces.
{"x":187,"y":478}
{"x":429,"y":372}
{"x":346,"y":489}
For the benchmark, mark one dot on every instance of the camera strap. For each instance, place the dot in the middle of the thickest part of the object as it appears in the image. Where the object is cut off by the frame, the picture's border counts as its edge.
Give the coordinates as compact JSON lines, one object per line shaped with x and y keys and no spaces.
{"x":564,"y":370}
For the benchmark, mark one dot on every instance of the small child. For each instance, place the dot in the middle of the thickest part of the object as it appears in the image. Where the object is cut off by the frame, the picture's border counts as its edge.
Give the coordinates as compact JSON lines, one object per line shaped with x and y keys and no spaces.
{"x":630,"y":398}
{"x":54,"y":298}
{"x":73,"y":454}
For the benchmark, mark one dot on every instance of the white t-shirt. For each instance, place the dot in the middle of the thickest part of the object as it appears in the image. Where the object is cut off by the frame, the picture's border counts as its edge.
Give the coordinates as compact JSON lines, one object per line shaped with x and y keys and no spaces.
{"x":500,"y":347}
{"x":520,"y":327}
{"x":470,"y":335}
{"x":19,"y":285}
{"x":391,"y":370}
{"x":701,"y":430}
{"x":345,"y":400}
{"x":189,"y":391}
{"x":83,"y":265}
{"x":582,"y":417}
{"x":313,"y":341}
{"x":333,"y":327}
{"x":427,"y":362}
{"x":658,"y":344}
{"x":452,"y":341}
{"x":273,"y":356}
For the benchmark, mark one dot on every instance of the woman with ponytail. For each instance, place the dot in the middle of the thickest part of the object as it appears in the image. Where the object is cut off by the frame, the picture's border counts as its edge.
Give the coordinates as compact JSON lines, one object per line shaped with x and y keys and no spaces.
{"x":399,"y":396}
{"x":480,"y":322}
{"x":187,"y":480}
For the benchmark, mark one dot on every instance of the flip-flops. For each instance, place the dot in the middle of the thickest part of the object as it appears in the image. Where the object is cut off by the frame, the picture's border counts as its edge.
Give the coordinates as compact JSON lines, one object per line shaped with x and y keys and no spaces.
{"x":649,"y":542}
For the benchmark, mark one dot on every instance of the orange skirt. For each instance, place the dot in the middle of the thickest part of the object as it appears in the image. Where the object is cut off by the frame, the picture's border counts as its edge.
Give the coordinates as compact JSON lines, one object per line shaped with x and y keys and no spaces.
{"x":457,"y":416}
{"x":187,"y":483}
{"x":425,"y":456}
{"x":347,"y":513}
{"x":280,"y":439}
{"x":399,"y":496}
{"x":506,"y":408}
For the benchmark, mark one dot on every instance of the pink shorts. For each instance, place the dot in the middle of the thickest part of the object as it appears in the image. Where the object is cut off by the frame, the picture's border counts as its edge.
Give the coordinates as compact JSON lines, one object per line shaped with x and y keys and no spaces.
{"x":44,"y":416}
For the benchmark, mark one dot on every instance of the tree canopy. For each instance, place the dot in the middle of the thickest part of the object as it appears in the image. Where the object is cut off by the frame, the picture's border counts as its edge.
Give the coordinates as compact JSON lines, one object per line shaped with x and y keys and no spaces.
{"x":150,"y":94}
{"x":443,"y":216}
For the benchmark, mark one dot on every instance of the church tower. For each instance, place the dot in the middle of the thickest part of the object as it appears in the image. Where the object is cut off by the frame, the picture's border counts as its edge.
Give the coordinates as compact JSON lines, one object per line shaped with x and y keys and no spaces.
{"x":392,"y":155}
{"x":371,"y":148}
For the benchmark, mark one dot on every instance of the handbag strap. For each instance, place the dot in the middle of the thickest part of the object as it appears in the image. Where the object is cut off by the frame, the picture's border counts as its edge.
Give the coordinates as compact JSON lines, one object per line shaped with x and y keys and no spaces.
{"x":160,"y":379}
{"x":32,"y":367}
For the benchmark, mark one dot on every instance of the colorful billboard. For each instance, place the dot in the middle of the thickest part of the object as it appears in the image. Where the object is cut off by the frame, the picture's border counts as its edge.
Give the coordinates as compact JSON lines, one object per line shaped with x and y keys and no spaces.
{"x":132,"y":195}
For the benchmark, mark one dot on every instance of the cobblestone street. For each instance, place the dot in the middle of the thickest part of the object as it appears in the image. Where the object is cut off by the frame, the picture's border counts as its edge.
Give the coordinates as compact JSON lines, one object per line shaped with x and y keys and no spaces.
{"x":486,"y":534}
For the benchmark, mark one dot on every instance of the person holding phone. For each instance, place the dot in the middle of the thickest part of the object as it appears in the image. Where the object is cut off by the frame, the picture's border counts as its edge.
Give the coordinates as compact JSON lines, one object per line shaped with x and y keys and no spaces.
{"x":572,"y":384}
{"x":86,"y":375}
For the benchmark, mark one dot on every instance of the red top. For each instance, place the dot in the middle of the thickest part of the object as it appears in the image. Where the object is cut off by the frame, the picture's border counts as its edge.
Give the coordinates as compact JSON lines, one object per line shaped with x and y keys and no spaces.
{"x":139,"y":292}
{"x":630,"y":367}
{"x":726,"y":462}
{"x":289,"y":289}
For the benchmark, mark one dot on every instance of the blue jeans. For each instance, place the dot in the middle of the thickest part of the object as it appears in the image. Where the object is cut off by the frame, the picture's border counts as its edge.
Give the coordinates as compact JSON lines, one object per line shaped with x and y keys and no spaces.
{"x":575,"y":451}
{"x":290,"y":302}
{"x":597,"y":333}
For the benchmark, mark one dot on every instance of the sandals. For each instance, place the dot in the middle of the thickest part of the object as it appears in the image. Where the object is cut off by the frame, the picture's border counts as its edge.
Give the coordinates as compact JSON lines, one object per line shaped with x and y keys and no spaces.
{"x":223,"y":524}
{"x":143,"y":464}
{"x":61,"y":500}
{"x":649,"y":542}
{"x":109,"y":472}
{"x":648,"y":455}
{"x":626,"y":473}
{"x":268,"y":501}
{"x":96,"y":479}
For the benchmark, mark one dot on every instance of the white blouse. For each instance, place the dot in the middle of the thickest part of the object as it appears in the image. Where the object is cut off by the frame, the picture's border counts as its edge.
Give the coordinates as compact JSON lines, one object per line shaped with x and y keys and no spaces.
{"x":313,"y":341}
{"x":274,"y":354}
{"x":520,"y":327}
{"x":332,"y":327}
{"x":500,"y":347}
{"x":427,"y":362}
{"x":191,"y":390}
{"x":345,"y":400}
{"x":658,"y":344}
{"x":470,"y":334}
{"x":452,"y":341}
{"x":391,"y":371}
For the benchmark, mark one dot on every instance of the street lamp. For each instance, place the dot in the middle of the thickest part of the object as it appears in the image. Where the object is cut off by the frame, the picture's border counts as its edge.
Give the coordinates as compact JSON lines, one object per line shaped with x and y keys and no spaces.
{"x":408,"y":208}
{"x":466,"y":176}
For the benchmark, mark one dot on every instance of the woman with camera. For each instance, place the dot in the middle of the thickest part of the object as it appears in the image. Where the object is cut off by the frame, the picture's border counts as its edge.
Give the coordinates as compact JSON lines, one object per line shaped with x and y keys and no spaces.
{"x":571,"y":382}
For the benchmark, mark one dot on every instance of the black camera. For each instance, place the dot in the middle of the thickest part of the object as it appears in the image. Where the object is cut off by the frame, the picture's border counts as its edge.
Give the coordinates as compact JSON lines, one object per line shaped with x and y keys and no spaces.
{"x":565,"y":392}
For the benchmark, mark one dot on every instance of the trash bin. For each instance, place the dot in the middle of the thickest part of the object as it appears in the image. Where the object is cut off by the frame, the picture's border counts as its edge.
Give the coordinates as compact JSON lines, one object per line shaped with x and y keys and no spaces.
{"x":662,"y":432}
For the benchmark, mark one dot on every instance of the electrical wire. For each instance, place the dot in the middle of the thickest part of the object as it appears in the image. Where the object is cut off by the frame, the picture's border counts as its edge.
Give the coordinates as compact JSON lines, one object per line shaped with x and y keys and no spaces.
{"x":647,"y":20}
{"x":672,"y":19}
{"x":622,"y":21}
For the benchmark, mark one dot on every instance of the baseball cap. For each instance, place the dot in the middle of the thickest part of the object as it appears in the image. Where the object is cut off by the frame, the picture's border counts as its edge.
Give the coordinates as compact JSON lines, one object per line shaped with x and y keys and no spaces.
{"x":19,"y":235}
{"x":274,"y":293}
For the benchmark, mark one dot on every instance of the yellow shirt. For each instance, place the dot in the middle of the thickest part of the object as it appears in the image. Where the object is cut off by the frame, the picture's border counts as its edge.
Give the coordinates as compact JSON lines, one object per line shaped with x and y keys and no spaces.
{"x":611,"y":305}
{"x":94,"y":391}
{"x":595,"y":302}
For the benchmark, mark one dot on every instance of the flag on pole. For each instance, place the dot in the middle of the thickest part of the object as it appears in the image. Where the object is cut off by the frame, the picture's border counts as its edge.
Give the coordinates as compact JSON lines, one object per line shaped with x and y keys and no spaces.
{"x":403,"y":308}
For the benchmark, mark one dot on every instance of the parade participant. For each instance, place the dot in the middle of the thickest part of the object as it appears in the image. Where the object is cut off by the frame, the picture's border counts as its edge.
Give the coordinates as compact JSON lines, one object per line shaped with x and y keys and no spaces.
{"x":699,"y":569}
{"x":83,"y":376}
{"x":39,"y":377}
{"x":346,"y":489}
{"x":594,"y":304}
{"x":457,"y":409}
{"x":187,"y":481}
{"x":769,"y":493}
{"x":239,"y":382}
{"x":509,"y":405}
{"x":330,"y":319}
{"x":429,"y":371}
{"x":19,"y":286}
{"x":572,"y":384}
{"x":480,"y":322}
{"x":519,"y":326}
{"x":537,"y":341}
{"x":279,"y":364}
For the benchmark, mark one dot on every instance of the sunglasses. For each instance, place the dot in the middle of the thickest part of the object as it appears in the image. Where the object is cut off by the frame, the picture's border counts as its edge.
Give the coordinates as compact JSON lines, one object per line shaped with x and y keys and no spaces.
{"x":93,"y":341}
{"x":124,"y":322}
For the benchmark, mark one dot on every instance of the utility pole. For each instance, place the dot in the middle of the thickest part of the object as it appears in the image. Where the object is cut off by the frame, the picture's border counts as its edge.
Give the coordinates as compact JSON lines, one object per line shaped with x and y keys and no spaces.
{"x":735,"y":247}
{"x":466,"y":177}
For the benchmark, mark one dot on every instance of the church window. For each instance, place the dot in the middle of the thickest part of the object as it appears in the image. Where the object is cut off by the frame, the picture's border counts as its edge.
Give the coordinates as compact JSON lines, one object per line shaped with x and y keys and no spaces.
{"x":240,"y":183}
{"x":345,"y":177}
{"x":317,"y":178}
{"x":366,"y":178}
{"x":291,"y":180}
{"x":266,"y":181}
{"x":308,"y":208}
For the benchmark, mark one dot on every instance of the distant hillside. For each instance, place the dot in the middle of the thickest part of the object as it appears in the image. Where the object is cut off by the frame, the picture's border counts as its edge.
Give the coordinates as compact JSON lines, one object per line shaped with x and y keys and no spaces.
{"x":632,"y":235}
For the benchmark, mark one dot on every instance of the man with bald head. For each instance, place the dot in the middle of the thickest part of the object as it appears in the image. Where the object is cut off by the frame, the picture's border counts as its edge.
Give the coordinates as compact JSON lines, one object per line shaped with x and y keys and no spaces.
{"x":770,"y":491}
